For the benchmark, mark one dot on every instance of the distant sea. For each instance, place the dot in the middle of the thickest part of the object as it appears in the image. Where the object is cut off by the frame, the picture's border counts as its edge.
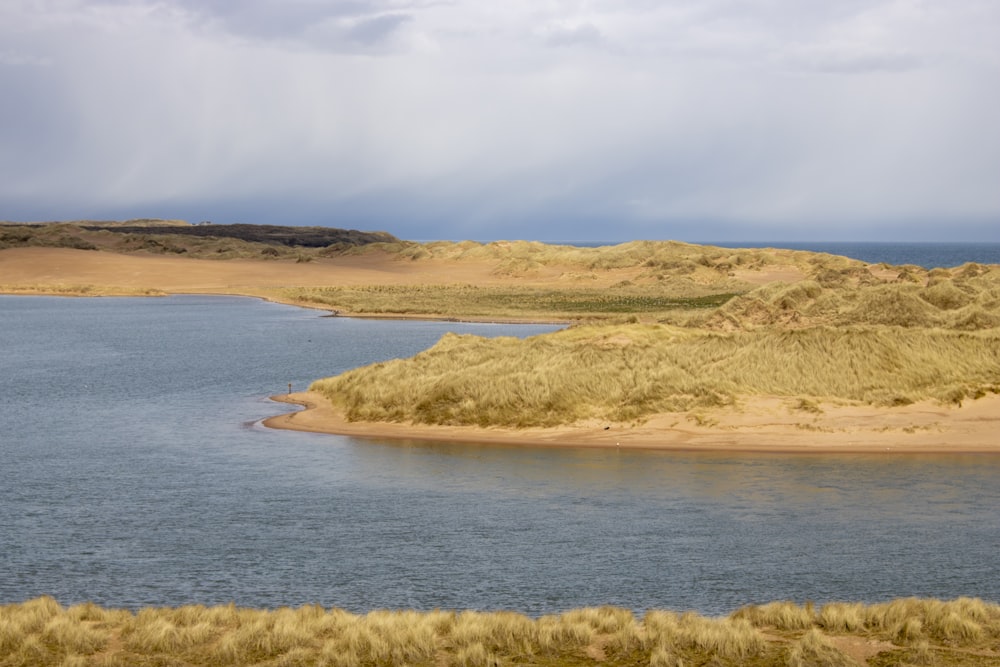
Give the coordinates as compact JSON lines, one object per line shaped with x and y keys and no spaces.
{"x":927,"y":255}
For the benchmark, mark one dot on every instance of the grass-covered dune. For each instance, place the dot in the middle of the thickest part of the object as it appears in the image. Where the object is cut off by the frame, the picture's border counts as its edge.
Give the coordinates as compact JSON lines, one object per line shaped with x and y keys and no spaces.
{"x":671,"y":268}
{"x":964,"y":298}
{"x":657,"y":259}
{"x":629,"y":372}
{"x":874,"y":342}
{"x":965,"y":631}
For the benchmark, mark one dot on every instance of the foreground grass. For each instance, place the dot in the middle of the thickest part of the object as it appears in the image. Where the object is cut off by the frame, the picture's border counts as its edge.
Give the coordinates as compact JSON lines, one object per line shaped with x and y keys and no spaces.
{"x":964,"y":631}
{"x":629,"y":372}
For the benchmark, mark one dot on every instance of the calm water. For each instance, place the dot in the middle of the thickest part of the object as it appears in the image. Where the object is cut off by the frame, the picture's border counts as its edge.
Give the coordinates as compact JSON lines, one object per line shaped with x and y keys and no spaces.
{"x":927,"y":255}
{"x":133,"y":472}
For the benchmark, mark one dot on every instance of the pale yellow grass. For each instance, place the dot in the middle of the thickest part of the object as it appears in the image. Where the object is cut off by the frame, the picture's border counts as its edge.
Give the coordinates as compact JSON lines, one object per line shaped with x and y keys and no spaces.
{"x":966,"y":298}
{"x":631,"y":372}
{"x":653,"y":259}
{"x":42,"y":632}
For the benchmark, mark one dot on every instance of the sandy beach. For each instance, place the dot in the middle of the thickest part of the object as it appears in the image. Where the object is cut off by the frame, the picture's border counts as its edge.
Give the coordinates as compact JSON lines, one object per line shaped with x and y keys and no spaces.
{"x":756,"y":425}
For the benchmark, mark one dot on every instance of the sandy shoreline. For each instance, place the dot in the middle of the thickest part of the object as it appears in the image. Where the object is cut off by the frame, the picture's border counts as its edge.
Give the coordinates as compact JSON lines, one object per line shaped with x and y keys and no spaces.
{"x":760,"y":425}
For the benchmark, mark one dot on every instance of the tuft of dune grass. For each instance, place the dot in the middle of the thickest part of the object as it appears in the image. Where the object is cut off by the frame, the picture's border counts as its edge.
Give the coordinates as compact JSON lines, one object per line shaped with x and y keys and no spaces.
{"x":629,"y":372}
{"x":783,"y":615}
{"x":41,"y":632}
{"x":965,"y":622}
{"x":813,"y":649}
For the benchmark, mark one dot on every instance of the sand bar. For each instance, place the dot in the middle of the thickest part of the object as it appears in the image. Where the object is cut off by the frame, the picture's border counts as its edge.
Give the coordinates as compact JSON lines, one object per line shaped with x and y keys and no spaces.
{"x":757,"y":425}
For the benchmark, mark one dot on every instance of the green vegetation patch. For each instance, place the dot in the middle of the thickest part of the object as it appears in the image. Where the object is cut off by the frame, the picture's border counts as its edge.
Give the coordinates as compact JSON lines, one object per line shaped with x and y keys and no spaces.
{"x":60,"y":289}
{"x":606,"y":302}
{"x":463,"y":300}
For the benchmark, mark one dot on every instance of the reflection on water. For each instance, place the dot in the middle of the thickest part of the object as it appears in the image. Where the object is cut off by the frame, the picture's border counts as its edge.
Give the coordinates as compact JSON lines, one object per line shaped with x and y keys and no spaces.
{"x":129,"y":477}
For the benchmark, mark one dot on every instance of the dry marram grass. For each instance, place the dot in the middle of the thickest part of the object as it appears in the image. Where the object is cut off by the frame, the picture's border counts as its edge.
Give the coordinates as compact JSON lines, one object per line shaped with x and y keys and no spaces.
{"x":42,"y":632}
{"x":629,"y":372}
{"x":844,"y":335}
{"x":965,"y":299}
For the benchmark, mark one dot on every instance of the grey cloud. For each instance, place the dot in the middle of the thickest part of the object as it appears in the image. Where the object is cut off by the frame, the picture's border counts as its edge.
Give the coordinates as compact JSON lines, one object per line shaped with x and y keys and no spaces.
{"x":371,"y":30}
{"x":16,"y":59}
{"x":273,"y":19}
{"x":652,"y":118}
{"x":585,"y":34}
{"x":855,"y":61}
{"x":336,"y":25}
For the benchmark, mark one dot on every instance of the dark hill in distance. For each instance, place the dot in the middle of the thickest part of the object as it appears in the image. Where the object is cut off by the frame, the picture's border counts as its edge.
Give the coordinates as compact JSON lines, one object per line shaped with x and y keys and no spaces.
{"x":305,"y":237}
{"x":205,"y":240}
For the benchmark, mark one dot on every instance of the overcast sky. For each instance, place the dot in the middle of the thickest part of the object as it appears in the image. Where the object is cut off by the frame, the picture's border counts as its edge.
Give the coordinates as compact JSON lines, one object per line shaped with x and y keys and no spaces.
{"x":709,"y":120}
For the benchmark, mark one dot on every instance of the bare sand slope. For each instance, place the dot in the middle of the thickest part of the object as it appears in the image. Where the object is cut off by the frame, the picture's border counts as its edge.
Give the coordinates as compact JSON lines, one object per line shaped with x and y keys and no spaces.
{"x":759,"y":424}
{"x":40,"y":267}
{"x":62,"y":266}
